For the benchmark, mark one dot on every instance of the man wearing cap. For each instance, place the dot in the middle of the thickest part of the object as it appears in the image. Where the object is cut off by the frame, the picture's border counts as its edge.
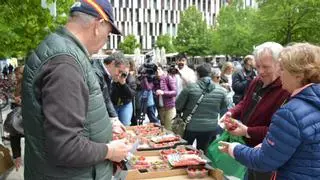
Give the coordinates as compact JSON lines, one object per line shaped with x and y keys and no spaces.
{"x":68,"y":131}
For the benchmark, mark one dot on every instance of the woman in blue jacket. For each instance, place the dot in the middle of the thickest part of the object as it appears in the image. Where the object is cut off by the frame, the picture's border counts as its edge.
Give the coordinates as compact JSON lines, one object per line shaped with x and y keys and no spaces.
{"x":292,"y":146}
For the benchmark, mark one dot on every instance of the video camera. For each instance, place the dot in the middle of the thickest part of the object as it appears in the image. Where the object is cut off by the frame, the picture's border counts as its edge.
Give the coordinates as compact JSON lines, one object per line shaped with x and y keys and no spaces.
{"x":148,"y":69}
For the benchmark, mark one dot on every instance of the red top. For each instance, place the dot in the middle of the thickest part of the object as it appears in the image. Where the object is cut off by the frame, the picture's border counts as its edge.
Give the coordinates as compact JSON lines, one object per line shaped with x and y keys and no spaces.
{"x":260,"y":119}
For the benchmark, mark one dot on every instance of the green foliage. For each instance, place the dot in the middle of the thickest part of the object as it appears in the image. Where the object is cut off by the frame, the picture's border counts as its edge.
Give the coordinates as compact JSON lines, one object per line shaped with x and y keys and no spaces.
{"x":289,"y":20}
{"x":129,"y":44}
{"x":24,"y":24}
{"x":234,"y":33}
{"x":166,"y":42}
{"x":192,"y":37}
{"x":239,"y":29}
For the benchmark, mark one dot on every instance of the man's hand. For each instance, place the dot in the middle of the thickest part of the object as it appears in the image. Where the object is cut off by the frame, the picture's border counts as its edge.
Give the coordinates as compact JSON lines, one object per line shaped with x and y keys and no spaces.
{"x":117,"y":126}
{"x":117,"y":150}
{"x":122,"y":80}
{"x":18,"y":163}
{"x":17,"y":100}
{"x":240,"y":130}
{"x":159,"y":92}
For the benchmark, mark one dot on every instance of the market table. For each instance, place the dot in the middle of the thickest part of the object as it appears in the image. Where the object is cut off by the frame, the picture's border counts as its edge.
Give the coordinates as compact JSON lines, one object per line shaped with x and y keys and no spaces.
{"x":151,"y":163}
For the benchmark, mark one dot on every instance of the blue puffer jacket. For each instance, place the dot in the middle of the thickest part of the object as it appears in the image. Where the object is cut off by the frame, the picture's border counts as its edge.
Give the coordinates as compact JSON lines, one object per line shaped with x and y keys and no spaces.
{"x":292,"y":145}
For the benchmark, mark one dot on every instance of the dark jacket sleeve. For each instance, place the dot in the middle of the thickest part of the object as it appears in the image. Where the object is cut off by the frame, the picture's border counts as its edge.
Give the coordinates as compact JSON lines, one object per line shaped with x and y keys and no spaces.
{"x":64,"y":98}
{"x":15,"y":143}
{"x":107,"y":100}
{"x":98,"y":68}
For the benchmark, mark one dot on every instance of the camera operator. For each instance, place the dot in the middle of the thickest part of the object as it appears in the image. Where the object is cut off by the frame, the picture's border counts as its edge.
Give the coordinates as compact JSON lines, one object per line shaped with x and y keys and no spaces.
{"x":185,"y":75}
{"x":147,"y":77}
{"x":123,"y":91}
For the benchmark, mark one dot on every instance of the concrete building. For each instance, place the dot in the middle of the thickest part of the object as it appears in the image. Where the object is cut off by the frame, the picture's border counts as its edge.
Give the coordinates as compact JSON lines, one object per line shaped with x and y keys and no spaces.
{"x":147,"y":19}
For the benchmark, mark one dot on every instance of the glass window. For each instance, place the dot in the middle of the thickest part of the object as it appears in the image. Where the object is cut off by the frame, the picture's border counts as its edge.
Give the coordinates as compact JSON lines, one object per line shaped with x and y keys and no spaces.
{"x":155,"y":4}
{"x":141,"y":40}
{"x":165,"y":16}
{"x":139,"y":28}
{"x":150,"y":29}
{"x":145,"y":3}
{"x":123,"y":27}
{"x":172,"y":16}
{"x":160,"y":28}
{"x":124,"y":14}
{"x":204,"y":5}
{"x":118,"y":40}
{"x":153,"y":41}
{"x":157,"y":15}
{"x":145,"y":29}
{"x":137,"y":15}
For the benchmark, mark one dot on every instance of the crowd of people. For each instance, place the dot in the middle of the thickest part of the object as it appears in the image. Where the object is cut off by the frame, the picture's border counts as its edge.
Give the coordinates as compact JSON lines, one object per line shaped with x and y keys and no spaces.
{"x":72,"y":104}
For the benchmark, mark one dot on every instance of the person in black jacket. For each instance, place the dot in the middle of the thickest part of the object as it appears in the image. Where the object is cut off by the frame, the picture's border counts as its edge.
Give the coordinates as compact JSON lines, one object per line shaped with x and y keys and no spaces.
{"x":242,"y":78}
{"x":15,"y":138}
{"x":123,"y":91}
{"x":122,"y":86}
{"x":102,"y":77}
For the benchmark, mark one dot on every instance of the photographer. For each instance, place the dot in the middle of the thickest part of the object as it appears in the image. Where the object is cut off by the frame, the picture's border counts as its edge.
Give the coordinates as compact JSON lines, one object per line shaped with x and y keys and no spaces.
{"x":123,"y":91}
{"x":185,"y":75}
{"x":147,"y":77}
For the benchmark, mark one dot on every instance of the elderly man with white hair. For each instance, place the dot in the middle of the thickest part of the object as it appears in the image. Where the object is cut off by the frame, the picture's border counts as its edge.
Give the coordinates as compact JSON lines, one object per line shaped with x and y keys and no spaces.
{"x":263,"y":97}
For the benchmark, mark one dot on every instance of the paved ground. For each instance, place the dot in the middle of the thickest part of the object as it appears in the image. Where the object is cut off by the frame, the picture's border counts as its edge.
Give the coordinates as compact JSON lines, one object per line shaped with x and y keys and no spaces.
{"x":13,"y":174}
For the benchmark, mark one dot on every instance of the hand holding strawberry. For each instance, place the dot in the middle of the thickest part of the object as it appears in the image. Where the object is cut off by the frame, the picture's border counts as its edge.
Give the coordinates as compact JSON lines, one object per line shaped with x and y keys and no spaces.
{"x":229,"y":123}
{"x":239,"y":129}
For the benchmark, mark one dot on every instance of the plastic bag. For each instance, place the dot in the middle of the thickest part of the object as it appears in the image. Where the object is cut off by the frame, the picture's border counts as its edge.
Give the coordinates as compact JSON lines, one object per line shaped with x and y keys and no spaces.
{"x":223,"y":161}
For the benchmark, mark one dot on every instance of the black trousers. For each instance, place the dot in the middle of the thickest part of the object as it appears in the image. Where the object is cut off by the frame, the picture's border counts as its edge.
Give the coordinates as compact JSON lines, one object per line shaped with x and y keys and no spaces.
{"x":203,"y":138}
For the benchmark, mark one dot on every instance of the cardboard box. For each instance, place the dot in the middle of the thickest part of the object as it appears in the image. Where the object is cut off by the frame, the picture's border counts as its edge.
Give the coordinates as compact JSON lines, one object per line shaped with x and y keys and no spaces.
{"x":178,"y":173}
{"x":173,"y":174}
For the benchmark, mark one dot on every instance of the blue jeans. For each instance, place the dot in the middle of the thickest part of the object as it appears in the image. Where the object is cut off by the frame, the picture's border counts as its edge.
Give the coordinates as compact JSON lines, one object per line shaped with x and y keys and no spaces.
{"x":125,"y":113}
{"x":151,"y":112}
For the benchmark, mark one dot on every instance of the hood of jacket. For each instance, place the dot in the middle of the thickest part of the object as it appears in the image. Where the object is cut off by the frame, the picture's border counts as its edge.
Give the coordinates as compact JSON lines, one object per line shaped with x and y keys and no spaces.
{"x":311,"y":95}
{"x":206,"y":82}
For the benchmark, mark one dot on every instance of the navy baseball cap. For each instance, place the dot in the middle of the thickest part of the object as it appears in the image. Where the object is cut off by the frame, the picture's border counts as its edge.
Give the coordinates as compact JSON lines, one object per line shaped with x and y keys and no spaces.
{"x":97,"y":8}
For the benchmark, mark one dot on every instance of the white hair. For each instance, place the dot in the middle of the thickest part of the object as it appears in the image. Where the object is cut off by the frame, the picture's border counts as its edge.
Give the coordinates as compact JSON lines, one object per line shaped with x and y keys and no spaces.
{"x":81,"y":18}
{"x":271,"y":48}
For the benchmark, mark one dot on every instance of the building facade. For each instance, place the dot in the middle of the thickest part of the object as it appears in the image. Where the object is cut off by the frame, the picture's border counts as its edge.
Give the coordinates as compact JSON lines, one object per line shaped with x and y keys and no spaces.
{"x":147,"y":19}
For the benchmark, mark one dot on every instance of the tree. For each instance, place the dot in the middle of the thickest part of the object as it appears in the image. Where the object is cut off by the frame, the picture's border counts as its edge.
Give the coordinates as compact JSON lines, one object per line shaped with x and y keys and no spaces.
{"x":192,"y":36}
{"x":129,"y":44}
{"x":234,"y":33}
{"x":289,"y":20}
{"x":166,"y":42}
{"x":24,"y":24}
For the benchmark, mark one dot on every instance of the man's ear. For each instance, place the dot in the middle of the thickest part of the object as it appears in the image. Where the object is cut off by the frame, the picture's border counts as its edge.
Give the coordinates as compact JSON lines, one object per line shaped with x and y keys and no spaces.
{"x":96,"y":28}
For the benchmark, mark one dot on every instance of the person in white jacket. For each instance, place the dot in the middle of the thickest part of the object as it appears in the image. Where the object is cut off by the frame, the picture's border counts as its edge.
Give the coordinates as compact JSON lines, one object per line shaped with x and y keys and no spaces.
{"x":185,"y":74}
